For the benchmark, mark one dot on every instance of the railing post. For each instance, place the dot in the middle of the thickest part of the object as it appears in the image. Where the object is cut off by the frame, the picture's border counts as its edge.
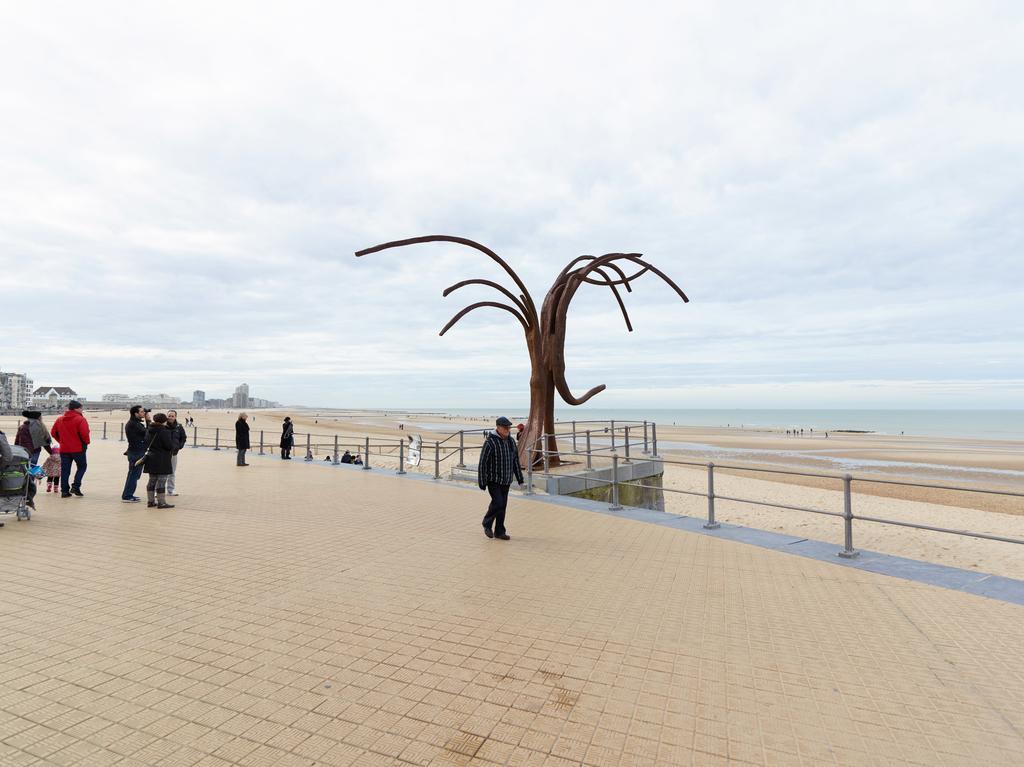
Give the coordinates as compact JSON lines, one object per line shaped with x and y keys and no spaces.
{"x":615,"y":484}
{"x":529,"y":474}
{"x":462,"y":462}
{"x":590,"y":458}
{"x":437,"y":459}
{"x":335,"y":461}
{"x":574,"y":436}
{"x":544,"y":447}
{"x":711,"y":524}
{"x":613,"y":436}
{"x":309,"y":449}
{"x":646,"y":451}
{"x":195,"y":436}
{"x":848,"y":551}
{"x":261,"y":441}
{"x":104,"y":430}
{"x":366,"y":460}
{"x":401,"y":457}
{"x":627,"y":446}
{"x":122,"y":433}
{"x":654,"y":440}
{"x":216,"y":439}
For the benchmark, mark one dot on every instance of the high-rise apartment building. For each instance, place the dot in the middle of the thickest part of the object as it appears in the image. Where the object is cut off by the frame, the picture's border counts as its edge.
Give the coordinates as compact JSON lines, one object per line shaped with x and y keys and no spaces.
{"x":15,"y":391}
{"x":198,"y":397}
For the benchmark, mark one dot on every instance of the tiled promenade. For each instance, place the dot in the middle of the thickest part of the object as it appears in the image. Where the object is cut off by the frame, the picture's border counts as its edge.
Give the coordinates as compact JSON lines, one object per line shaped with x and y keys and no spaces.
{"x":294,"y":615}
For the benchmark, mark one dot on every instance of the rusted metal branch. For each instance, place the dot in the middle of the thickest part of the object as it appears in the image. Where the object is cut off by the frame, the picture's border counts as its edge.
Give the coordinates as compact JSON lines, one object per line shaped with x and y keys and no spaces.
{"x":505,"y":291}
{"x":495,"y":304}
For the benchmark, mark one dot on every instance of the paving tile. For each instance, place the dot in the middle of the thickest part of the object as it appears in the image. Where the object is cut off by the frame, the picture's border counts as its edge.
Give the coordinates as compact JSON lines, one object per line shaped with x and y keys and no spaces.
{"x":292,"y":614}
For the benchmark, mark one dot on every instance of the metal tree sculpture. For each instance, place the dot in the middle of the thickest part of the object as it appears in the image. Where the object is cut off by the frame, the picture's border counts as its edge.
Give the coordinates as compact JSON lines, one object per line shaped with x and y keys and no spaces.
{"x":545,"y":332}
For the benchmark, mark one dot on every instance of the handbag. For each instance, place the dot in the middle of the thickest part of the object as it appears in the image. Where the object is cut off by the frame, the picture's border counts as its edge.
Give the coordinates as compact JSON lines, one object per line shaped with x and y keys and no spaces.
{"x":146,"y":454}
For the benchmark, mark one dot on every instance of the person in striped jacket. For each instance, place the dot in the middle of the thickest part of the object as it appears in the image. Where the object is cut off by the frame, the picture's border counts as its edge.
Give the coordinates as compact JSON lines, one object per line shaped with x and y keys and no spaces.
{"x":499,"y":465}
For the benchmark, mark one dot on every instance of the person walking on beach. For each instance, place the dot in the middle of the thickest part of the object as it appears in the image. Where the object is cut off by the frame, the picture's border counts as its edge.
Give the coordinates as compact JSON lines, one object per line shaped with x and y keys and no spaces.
{"x":71,"y":430}
{"x":159,"y":451}
{"x":180,"y":437}
{"x":499,"y":464}
{"x":241,"y":438}
{"x":135,"y":433}
{"x":287,"y":439}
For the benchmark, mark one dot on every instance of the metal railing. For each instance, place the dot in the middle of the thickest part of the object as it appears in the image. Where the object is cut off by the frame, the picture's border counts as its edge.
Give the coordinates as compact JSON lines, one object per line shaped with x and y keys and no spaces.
{"x":634,"y":434}
{"x":847,"y":514}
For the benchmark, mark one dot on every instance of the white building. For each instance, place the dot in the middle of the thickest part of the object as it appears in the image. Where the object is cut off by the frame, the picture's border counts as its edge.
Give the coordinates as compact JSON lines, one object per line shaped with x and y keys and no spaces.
{"x":53,"y":396}
{"x":15,"y":391}
{"x":116,"y":397}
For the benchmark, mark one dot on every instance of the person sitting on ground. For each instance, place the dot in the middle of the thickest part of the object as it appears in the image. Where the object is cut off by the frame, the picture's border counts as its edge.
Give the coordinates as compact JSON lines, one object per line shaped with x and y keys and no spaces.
{"x":327,"y":458}
{"x":357,"y":460}
{"x":347,"y":457}
{"x":159,"y":449}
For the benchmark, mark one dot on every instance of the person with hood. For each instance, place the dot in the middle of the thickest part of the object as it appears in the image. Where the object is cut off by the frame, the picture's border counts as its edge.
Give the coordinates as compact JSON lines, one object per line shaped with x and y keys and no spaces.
{"x":135,"y":432}
{"x":287,"y":439}
{"x":71,"y":430}
{"x":33,"y":435}
{"x":499,"y":464}
{"x":159,"y":450}
{"x":180,"y":437}
{"x":241,"y":438}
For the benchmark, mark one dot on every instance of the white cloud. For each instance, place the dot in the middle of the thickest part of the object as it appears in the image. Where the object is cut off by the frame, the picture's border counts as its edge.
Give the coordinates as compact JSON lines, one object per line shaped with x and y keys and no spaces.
{"x":836,"y":189}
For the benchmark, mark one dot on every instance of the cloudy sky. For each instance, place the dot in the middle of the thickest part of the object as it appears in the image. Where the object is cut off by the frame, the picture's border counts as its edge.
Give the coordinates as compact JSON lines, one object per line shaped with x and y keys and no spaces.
{"x":838,"y":187}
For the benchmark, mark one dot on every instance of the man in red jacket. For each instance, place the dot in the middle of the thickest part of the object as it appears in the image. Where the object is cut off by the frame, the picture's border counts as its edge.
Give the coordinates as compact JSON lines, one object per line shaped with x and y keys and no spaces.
{"x":71,"y":430}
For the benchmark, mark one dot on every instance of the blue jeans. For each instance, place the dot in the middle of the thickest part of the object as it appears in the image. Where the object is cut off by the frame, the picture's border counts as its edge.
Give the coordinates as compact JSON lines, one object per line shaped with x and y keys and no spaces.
{"x":65,"y":469}
{"x":134,"y":473}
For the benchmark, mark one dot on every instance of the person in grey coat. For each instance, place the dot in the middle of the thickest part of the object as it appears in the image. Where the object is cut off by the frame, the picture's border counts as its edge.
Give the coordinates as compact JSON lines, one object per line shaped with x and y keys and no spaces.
{"x":180,"y":437}
{"x":499,"y":465}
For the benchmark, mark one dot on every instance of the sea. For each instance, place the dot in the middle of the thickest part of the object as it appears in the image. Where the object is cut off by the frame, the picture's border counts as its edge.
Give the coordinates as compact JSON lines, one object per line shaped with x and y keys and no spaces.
{"x":974,"y":424}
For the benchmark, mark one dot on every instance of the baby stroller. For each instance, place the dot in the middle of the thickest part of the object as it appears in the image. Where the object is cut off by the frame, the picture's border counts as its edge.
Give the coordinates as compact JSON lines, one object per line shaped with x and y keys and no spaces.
{"x":15,"y":479}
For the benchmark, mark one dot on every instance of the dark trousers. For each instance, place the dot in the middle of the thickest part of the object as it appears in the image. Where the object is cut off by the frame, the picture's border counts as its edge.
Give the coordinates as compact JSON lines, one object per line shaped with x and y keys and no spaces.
{"x":286,"y":451}
{"x":496,"y":510}
{"x":241,"y":456}
{"x":66,"y":459}
{"x":134,"y":473}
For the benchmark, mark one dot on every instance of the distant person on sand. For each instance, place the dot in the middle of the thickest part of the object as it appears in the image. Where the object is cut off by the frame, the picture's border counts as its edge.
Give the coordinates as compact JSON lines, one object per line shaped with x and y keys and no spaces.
{"x":159,"y":450}
{"x":347,"y":458}
{"x":520,"y":428}
{"x":287,"y":439}
{"x":241,"y":438}
{"x":135,"y":433}
{"x":180,"y":437}
{"x":499,"y":464}
{"x":71,"y":430}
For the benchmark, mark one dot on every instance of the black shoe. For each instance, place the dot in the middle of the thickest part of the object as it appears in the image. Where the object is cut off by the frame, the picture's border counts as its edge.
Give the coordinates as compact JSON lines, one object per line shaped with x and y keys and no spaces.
{"x":76,"y":491}
{"x":165,"y":505}
{"x":65,"y":495}
{"x":150,"y":504}
{"x":487,"y":532}
{"x":503,"y":536}
{"x":30,"y":504}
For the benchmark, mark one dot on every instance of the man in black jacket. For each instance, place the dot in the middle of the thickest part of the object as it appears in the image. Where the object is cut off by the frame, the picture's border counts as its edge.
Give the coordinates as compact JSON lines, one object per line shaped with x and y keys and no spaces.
{"x":241,"y":438}
{"x":135,"y":433}
{"x":499,"y":464}
{"x":179,"y":438}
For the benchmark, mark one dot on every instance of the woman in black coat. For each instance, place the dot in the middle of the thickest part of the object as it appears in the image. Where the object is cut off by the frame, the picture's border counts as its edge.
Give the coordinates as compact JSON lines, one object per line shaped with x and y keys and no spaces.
{"x":287,"y":439}
{"x":159,"y":449}
{"x":241,"y":438}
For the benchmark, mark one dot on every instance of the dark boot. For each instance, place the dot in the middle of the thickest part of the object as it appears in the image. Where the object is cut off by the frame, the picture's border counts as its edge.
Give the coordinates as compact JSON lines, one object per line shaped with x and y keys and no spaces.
{"x":161,"y":503}
{"x":150,"y":499}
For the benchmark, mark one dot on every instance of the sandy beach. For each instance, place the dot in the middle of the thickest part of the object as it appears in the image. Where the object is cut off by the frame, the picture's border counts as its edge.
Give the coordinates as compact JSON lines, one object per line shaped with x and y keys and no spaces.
{"x":973,"y":463}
